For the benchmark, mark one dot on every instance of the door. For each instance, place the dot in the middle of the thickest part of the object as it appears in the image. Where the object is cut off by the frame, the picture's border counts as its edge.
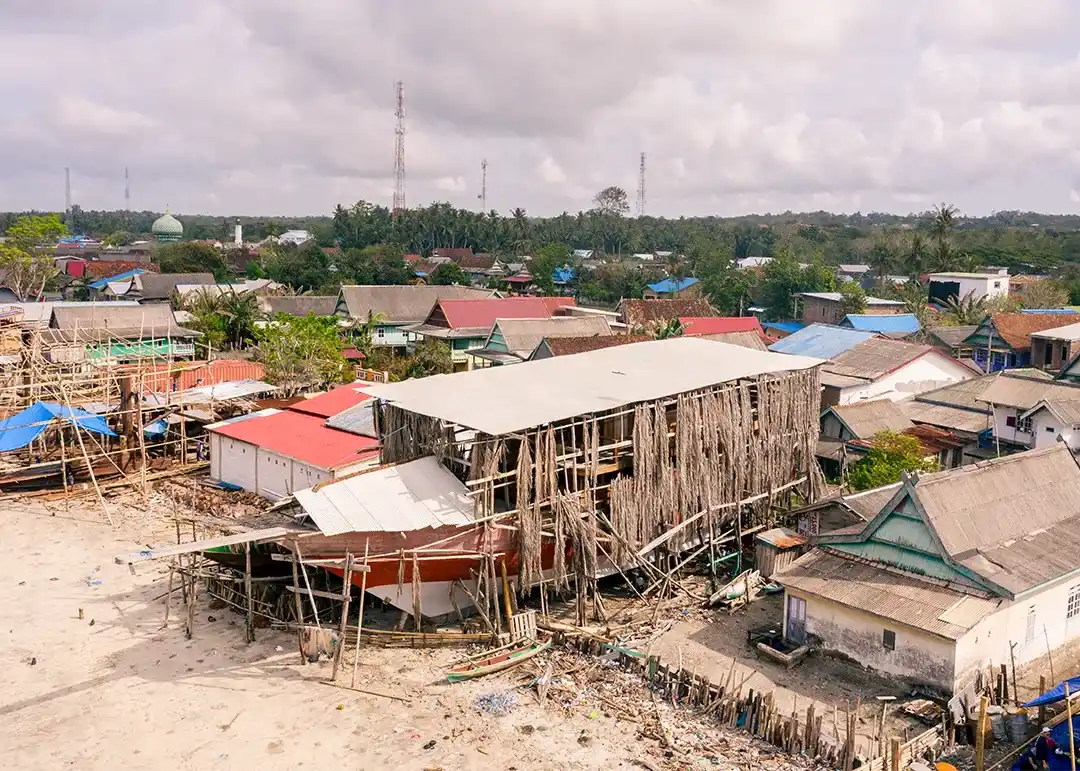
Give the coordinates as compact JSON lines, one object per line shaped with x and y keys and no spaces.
{"x":796,"y":619}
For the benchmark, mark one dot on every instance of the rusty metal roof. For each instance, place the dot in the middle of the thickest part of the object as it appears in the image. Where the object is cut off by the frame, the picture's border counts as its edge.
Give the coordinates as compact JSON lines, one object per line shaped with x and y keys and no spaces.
{"x":900,"y":597}
{"x":782,"y":538}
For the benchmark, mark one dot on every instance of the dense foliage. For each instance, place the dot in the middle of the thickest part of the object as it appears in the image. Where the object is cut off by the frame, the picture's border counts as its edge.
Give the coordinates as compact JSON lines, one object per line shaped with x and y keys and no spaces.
{"x":892,"y":455}
{"x":300,"y":353}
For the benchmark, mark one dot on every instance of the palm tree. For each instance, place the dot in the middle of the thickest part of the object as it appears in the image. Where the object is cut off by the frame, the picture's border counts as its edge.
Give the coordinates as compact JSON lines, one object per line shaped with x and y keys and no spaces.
{"x":966,"y":310}
{"x":241,"y":311}
{"x":672,"y":328}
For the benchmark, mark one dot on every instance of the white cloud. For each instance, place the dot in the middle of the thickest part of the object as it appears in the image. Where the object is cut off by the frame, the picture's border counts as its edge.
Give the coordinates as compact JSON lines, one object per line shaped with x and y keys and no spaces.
{"x":266,"y":106}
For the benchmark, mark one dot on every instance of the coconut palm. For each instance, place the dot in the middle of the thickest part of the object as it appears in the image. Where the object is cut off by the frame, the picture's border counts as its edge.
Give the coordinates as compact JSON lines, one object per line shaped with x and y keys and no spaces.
{"x":966,"y":310}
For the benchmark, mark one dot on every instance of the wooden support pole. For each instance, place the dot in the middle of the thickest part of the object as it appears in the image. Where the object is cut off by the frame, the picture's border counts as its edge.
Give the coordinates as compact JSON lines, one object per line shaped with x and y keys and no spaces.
{"x":360,"y":618}
{"x":1069,"y":717}
{"x":299,"y":606}
{"x":347,"y":592}
{"x":1042,"y":708}
{"x":980,"y":735}
{"x":506,"y":592}
{"x":249,"y":622}
{"x":894,"y":754}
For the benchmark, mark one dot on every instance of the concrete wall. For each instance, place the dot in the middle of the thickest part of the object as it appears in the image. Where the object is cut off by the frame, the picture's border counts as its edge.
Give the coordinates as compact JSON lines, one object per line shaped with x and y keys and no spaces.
{"x":1052,"y":355}
{"x":990,"y":640}
{"x":389,"y":335}
{"x":918,"y":656}
{"x":988,"y":286}
{"x":234,"y":462}
{"x":925,"y":373}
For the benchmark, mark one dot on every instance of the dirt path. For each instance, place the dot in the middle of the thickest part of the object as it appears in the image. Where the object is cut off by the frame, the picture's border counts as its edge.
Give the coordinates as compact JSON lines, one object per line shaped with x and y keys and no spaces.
{"x":116,"y":690}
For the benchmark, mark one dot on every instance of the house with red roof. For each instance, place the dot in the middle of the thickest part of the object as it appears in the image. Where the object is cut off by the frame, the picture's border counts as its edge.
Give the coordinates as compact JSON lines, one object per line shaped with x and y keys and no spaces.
{"x":275,"y":452}
{"x":464,"y":325}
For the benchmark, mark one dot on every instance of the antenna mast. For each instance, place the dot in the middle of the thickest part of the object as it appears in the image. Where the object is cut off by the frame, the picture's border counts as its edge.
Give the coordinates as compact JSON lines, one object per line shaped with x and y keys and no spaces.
{"x":483,"y":186}
{"x":399,"y":153}
{"x":641,"y":188}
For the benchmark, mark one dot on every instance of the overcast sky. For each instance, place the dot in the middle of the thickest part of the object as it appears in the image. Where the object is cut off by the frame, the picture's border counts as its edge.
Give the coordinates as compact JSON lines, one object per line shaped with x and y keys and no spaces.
{"x":286,"y":107}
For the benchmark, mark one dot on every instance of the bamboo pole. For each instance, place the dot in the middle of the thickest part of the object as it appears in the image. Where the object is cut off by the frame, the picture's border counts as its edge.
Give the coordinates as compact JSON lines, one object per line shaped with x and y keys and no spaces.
{"x":347,"y":592}
{"x":1068,"y":716}
{"x":249,"y":621}
{"x":980,"y":735}
{"x":360,"y":620}
{"x":299,"y":605}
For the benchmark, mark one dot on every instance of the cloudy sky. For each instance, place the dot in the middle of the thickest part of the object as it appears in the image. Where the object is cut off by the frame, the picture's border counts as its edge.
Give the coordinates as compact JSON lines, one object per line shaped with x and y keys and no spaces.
{"x":285,"y":107}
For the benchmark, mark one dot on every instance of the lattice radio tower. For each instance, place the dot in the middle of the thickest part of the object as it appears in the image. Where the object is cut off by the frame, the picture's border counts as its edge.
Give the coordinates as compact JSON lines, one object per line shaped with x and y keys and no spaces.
{"x":483,"y":186}
{"x":641,"y":188}
{"x":399,"y":153}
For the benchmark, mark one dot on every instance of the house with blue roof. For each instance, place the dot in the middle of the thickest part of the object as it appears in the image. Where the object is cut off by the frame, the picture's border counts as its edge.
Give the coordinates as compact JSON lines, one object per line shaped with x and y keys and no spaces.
{"x":781,"y":329}
{"x":899,"y":326}
{"x":821,"y":341}
{"x":669,"y":288}
{"x":126,"y":277}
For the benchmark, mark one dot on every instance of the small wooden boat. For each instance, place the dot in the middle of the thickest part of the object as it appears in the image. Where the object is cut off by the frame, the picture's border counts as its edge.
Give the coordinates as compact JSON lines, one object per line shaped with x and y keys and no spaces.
{"x":496,"y":662}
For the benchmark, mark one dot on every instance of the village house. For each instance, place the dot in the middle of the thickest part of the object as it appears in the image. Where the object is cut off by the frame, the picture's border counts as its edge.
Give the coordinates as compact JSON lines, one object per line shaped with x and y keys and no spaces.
{"x":778,"y":330}
{"x":1033,"y":412}
{"x":149,"y":288}
{"x":568,"y":346}
{"x":956,"y":286}
{"x":275,"y":452}
{"x":848,"y":432}
{"x":644,"y":315}
{"x":946,"y":579}
{"x":393,"y":308}
{"x":736,"y":330}
{"x":113,"y":332}
{"x":672,"y":289}
{"x":481,"y":268}
{"x":951,"y":340}
{"x":899,"y":327}
{"x":1003,"y":340}
{"x":828,"y":307}
{"x":465,"y":325}
{"x":862,"y":365}
{"x":1052,"y":349}
{"x":300,"y":305}
{"x":512,"y":341}
{"x":851,"y":272}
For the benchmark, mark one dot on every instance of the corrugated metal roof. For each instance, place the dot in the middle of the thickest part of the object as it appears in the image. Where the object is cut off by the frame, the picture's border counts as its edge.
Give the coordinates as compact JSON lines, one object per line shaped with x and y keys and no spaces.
{"x":1024,"y":393}
{"x":521,"y":336}
{"x":791,"y":327}
{"x":875,"y":357}
{"x":899,"y":324}
{"x":670,"y":285}
{"x":567,"y":346}
{"x":333,"y":402}
{"x":221,"y":392}
{"x":822,"y":341}
{"x":302,"y":305}
{"x":302,"y":437}
{"x":562,"y":387}
{"x":751,"y":340}
{"x":1068,"y":332}
{"x":357,"y":420}
{"x":641,"y":313}
{"x":694,"y":326}
{"x":892,"y":594}
{"x":781,"y":538}
{"x":1068,"y":412}
{"x":160,"y":286}
{"x":482,"y":314}
{"x":837,"y":297}
{"x":407,"y":304}
{"x":953,"y":337}
{"x":1035,"y":559}
{"x":866,"y":419}
{"x":953,"y":418}
{"x":400,"y":498}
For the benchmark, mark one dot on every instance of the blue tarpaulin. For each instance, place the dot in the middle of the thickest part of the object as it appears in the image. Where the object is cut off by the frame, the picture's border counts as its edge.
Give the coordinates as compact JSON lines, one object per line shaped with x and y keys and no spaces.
{"x":1059,"y":734}
{"x":19,"y":430}
{"x":1056,"y":694}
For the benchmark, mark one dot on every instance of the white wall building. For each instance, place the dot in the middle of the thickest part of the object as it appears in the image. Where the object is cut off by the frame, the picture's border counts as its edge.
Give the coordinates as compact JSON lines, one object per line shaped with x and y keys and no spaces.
{"x":888,"y":369}
{"x":959,"y":570}
{"x":1034,"y":412}
{"x":978,"y":285}
{"x":295,"y":237}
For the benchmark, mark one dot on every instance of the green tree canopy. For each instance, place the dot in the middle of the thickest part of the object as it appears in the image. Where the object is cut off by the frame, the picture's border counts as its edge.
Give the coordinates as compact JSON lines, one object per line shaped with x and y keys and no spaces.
{"x":301,"y":352}
{"x":26,"y":267}
{"x":191,"y":257}
{"x":449,"y":273}
{"x":892,"y":454}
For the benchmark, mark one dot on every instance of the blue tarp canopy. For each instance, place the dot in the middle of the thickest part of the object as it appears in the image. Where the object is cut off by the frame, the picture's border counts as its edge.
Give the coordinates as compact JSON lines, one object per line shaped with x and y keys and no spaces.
{"x":1056,"y":694}
{"x":19,"y":430}
{"x":1060,"y":735}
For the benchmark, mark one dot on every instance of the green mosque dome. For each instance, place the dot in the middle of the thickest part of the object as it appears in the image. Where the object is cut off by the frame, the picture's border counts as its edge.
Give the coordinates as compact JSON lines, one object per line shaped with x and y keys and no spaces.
{"x":167,"y":228}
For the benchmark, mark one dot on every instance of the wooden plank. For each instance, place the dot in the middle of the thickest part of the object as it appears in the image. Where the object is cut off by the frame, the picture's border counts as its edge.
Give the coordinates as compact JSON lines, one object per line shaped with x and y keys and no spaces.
{"x":253,"y":536}
{"x":321,"y":563}
{"x":317,"y":593}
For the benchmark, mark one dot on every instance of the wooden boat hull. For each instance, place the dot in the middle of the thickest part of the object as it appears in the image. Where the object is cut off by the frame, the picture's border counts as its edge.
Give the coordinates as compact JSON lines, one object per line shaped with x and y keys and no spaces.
{"x":497,"y":663}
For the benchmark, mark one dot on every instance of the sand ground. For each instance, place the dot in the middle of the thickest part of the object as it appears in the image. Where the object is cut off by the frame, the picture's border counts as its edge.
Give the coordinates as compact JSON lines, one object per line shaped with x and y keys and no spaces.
{"x":117,"y":690}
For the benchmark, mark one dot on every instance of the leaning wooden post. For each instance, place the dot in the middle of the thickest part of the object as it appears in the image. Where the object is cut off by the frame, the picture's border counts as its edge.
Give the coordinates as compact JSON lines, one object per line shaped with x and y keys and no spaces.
{"x":347,"y":592}
{"x":249,"y":622}
{"x":1042,"y":707}
{"x":1069,"y":717}
{"x":299,"y":607}
{"x":360,"y":619}
{"x":980,"y":735}
{"x":506,"y":591}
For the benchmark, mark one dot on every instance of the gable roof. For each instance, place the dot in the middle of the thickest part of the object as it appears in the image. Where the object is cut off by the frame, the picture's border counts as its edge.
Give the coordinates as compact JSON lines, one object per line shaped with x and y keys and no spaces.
{"x":480,"y":262}
{"x":865,"y":420}
{"x":959,"y":406}
{"x":1025,"y":392}
{"x":669,"y":285}
{"x":153,"y":319}
{"x":160,"y":286}
{"x":1016,"y":328}
{"x":642,"y":313}
{"x":480,"y":315}
{"x":302,"y":305}
{"x":334,"y":401}
{"x":1068,"y":412}
{"x":301,"y":437}
{"x":876,"y":357}
{"x":822,"y":341}
{"x":715,"y":325}
{"x":522,"y":336}
{"x":567,"y":346}
{"x":837,"y":297}
{"x":403,"y":304}
{"x":973,"y":513}
{"x":1069,"y":332}
{"x":899,"y":324}
{"x":953,"y":337}
{"x":751,"y":340}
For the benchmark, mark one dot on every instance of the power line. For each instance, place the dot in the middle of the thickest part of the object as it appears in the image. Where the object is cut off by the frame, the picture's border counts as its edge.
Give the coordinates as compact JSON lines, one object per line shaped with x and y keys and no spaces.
{"x":399,"y":152}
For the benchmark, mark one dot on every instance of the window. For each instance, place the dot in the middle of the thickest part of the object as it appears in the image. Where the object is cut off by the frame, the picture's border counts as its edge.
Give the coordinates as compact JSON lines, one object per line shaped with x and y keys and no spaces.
{"x":380,"y":332}
{"x":1074,"y":602}
{"x":1011,"y":421}
{"x":1024,"y":424}
{"x":1048,"y":353}
{"x":888,"y":640}
{"x":997,"y":285}
{"x":1030,"y":636}
{"x":1049,"y":429}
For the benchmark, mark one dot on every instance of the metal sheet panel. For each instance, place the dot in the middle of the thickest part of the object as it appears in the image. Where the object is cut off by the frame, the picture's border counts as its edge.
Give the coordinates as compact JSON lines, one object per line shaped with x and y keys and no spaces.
{"x":404,"y":497}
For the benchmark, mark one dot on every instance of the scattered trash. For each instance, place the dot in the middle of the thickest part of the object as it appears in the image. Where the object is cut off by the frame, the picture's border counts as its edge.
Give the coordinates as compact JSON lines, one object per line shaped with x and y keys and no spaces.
{"x":526,"y":729}
{"x":91,"y":622}
{"x":33,"y":661}
{"x":278,"y":649}
{"x":340,"y":706}
{"x":593,"y":715}
{"x":211,"y":619}
{"x":429,"y":745}
{"x":496,"y":703}
{"x":81,"y":614}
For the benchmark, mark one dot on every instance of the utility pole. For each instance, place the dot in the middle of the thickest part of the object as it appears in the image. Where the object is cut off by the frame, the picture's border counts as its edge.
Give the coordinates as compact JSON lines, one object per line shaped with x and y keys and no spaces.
{"x":399,"y":153}
{"x":483,"y":186}
{"x":641,"y":188}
